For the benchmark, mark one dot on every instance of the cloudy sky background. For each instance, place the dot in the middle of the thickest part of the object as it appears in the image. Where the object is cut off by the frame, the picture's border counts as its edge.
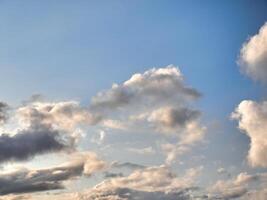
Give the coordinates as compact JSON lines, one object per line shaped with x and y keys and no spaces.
{"x":125,"y":100}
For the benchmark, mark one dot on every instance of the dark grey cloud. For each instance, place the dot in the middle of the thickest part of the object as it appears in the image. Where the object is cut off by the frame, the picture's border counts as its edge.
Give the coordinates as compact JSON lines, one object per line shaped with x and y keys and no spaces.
{"x":29,"y":143}
{"x":45,"y":127}
{"x":27,"y":181}
{"x":22,"y":182}
{"x":18,"y":188}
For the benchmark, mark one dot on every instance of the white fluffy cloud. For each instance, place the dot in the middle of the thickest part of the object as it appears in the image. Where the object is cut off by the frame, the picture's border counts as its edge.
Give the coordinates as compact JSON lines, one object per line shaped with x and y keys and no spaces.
{"x":64,"y":115}
{"x":253,"y":56}
{"x":152,"y":183}
{"x":156,"y":101}
{"x":155,"y":86}
{"x":252,"y":119}
{"x":238,"y":187}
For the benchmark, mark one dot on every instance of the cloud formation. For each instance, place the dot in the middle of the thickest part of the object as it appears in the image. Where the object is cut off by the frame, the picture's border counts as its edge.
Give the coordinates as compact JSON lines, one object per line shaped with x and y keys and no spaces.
{"x":152,"y":183}
{"x":153,"y":86}
{"x":169,"y":119}
{"x":252,"y":119}
{"x":156,"y":101}
{"x":30,"y":142}
{"x":44,"y":127}
{"x":253,"y":56}
{"x":238,"y":187}
{"x":63,"y":115}
{"x":25,"y":180}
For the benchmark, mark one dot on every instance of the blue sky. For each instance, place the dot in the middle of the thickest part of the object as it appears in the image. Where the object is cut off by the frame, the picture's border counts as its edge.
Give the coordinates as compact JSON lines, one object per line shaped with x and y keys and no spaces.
{"x":71,"y":50}
{"x":55,"y":42}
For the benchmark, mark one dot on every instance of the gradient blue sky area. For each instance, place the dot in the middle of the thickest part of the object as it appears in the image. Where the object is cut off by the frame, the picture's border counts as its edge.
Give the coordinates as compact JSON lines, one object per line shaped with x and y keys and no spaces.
{"x":73,"y":49}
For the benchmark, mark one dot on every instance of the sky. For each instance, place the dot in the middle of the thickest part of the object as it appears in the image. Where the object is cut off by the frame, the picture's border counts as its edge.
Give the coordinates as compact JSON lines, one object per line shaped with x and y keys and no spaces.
{"x":132,"y":100}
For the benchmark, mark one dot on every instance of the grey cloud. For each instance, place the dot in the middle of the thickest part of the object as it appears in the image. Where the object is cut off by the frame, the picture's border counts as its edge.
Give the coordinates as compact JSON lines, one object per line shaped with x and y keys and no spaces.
{"x":3,"y":112}
{"x":37,"y":187}
{"x":44,"y":128}
{"x":234,"y":194}
{"x":128,"y":165}
{"x":112,"y":175}
{"x":29,"y":143}
{"x":27,"y":181}
{"x":131,"y":194}
{"x":114,"y":98}
{"x":174,"y":117}
{"x":19,"y":182}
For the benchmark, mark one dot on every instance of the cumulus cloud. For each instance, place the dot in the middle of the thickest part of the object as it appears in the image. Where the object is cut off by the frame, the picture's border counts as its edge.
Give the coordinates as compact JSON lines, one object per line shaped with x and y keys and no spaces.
{"x":240,"y":186}
{"x":253,"y":56}
{"x":150,"y":183}
{"x":65,"y":115}
{"x":252,"y":119}
{"x":169,"y":119}
{"x":30,"y":142}
{"x":153,"y":86}
{"x":157,"y":100}
{"x":25,"y":180}
{"x":44,"y":127}
{"x":153,"y":183}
